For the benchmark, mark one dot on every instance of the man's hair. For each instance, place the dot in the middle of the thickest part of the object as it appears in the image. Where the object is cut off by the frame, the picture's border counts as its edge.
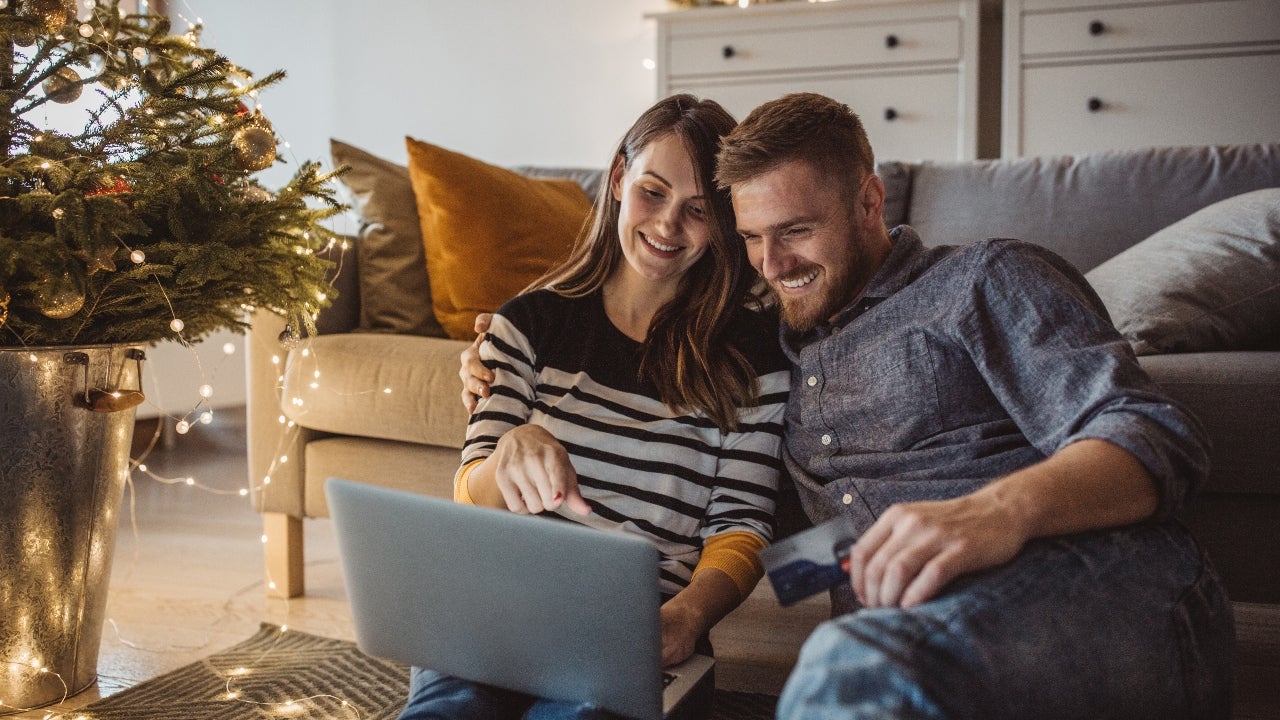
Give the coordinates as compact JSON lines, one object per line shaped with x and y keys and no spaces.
{"x":801,"y":126}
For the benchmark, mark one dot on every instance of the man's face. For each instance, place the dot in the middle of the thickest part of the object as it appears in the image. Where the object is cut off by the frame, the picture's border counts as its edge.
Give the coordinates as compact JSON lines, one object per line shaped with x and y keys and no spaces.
{"x":815,"y":247}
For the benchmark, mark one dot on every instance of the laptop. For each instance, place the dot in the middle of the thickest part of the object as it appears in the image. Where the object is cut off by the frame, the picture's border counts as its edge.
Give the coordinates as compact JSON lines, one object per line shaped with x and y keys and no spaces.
{"x":540,"y":606}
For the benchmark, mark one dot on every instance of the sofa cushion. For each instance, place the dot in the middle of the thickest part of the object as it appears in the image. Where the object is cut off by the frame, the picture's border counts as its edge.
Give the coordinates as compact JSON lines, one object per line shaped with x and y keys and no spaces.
{"x":394,"y":293}
{"x":1236,"y":396}
{"x":488,"y":231}
{"x":1210,"y":281}
{"x":394,"y":387}
{"x":1084,"y":207}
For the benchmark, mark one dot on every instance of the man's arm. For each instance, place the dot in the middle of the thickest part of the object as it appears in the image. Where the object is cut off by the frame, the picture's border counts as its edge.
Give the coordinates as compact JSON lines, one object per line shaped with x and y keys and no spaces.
{"x":474,"y":375}
{"x":914,"y":549}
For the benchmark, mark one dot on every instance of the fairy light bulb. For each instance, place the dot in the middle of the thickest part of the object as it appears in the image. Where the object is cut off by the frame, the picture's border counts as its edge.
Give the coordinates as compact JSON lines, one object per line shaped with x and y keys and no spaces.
{"x":176,"y":325}
{"x":138,"y":257}
{"x":206,"y":391}
{"x":206,"y":418}
{"x":183,"y":427}
{"x":86,"y":30}
{"x":229,"y":349}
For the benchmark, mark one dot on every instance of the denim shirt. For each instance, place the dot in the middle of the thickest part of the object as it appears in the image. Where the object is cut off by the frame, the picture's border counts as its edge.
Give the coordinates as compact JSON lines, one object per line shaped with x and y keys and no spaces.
{"x":960,"y":365}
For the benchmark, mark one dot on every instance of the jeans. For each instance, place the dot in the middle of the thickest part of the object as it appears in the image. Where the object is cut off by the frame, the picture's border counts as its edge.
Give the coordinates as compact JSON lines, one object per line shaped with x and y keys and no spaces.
{"x":442,"y":697}
{"x":1129,"y":624}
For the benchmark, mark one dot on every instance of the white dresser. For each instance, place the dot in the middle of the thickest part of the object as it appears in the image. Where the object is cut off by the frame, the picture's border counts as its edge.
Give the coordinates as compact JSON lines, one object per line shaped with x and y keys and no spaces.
{"x":1085,"y":75}
{"x":908,"y":68}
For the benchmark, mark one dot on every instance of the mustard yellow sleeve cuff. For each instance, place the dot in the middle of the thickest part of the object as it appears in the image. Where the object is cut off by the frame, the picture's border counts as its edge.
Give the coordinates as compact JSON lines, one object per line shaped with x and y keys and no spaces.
{"x":736,"y":554}
{"x":461,"y":490}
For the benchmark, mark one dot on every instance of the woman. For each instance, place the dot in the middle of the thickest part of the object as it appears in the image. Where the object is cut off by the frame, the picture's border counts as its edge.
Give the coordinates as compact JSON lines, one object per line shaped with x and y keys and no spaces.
{"x":634,"y":391}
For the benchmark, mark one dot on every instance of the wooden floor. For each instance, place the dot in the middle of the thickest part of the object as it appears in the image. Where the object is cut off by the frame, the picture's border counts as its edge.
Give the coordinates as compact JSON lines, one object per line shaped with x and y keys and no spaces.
{"x":187,"y":578}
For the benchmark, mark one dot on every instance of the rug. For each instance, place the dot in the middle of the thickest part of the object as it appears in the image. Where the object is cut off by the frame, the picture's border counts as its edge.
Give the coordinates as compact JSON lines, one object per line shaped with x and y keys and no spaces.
{"x":293,"y":674}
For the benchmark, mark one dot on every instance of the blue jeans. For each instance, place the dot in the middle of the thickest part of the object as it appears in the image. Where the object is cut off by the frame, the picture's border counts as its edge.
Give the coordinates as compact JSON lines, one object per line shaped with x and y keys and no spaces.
{"x":433,"y":696}
{"x":1129,"y":623}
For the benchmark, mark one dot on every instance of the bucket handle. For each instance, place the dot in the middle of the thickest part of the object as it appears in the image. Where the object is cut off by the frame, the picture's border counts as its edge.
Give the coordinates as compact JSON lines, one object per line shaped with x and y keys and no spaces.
{"x":108,"y":400}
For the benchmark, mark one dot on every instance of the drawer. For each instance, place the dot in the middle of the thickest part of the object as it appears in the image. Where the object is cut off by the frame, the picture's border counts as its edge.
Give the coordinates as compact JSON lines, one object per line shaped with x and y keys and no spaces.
{"x":1173,"y":25}
{"x":1150,"y":103}
{"x":795,"y":48}
{"x":925,"y":121}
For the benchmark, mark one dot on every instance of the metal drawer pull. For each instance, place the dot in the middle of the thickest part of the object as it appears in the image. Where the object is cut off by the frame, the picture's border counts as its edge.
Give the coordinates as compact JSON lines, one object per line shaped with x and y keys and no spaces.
{"x":1095,"y":104}
{"x":1096,"y":28}
{"x":728,"y":52}
{"x":890,"y":114}
{"x":891,"y":41}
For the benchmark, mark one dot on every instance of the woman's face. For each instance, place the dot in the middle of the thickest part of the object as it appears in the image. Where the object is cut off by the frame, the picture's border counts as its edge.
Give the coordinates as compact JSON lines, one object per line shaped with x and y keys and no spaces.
{"x":664,"y":220}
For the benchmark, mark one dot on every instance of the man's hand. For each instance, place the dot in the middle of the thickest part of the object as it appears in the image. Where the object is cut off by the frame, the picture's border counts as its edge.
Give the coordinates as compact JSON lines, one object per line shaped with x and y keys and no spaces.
{"x":914,"y":549}
{"x":531,"y":470}
{"x":474,"y":375}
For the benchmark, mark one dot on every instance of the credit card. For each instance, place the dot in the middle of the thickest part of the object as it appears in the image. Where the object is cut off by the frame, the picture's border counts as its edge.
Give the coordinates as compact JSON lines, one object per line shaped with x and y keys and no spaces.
{"x":810,"y":561}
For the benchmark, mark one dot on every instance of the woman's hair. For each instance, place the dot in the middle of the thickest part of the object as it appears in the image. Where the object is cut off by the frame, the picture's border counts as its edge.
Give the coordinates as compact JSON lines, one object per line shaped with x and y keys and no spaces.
{"x":686,"y":352}
{"x":801,"y":126}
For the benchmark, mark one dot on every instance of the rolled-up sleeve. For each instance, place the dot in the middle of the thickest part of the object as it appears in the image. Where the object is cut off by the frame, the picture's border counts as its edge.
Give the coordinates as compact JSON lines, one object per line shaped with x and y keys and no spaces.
{"x":1043,"y":342}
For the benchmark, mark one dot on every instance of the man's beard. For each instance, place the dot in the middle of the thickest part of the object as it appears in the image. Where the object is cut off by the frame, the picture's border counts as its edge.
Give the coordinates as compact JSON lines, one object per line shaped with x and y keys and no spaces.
{"x":804,"y":314}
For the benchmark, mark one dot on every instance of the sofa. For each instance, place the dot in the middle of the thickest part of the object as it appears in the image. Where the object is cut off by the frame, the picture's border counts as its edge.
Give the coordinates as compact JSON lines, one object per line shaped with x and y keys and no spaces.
{"x":1182,"y":244}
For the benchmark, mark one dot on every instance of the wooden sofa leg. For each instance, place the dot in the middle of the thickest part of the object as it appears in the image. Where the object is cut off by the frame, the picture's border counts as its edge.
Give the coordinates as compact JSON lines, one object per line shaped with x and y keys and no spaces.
{"x":282,"y":548}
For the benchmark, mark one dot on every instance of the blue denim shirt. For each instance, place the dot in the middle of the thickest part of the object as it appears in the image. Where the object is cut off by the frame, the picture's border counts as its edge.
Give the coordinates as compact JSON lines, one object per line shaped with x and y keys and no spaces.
{"x":960,"y":365}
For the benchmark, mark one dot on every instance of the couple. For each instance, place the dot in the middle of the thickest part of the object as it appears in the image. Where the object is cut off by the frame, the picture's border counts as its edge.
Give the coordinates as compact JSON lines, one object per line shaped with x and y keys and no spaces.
{"x":1012,"y":471}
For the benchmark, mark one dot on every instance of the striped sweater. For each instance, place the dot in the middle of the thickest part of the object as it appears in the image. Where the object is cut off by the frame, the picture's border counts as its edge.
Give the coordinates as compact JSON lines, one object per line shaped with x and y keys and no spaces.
{"x":670,"y":477}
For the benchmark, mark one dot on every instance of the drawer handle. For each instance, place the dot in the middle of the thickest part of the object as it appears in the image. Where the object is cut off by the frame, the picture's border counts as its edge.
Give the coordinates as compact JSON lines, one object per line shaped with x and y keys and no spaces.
{"x":890,"y":114}
{"x":1097,"y":27}
{"x":1095,"y":104}
{"x":891,"y":41}
{"x":727,"y":51}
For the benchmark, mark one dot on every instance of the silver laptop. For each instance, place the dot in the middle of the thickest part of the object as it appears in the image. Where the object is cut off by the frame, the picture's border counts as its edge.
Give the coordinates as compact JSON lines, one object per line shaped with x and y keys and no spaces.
{"x":540,"y":606}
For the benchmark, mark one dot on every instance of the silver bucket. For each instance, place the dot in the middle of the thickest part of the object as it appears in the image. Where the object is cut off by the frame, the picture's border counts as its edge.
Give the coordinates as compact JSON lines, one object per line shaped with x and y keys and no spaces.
{"x":66,"y":423}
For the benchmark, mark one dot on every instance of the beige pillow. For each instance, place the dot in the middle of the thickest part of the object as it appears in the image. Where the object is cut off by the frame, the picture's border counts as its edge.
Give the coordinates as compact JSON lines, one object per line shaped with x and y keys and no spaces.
{"x":487,"y":231}
{"x":395,"y":296}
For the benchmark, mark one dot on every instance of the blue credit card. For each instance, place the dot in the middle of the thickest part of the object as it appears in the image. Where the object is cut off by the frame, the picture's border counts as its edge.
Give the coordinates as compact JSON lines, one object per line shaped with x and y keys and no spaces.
{"x":810,"y":561}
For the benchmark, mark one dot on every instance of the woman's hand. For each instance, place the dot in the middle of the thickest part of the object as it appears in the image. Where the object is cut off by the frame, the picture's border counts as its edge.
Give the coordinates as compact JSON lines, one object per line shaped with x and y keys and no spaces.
{"x":474,"y":375}
{"x":680,"y":632}
{"x":531,"y":470}
{"x":693,"y":611}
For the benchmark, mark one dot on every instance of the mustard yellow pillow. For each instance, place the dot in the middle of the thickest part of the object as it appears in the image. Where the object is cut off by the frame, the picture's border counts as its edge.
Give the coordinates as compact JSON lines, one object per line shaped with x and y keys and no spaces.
{"x":487,"y":231}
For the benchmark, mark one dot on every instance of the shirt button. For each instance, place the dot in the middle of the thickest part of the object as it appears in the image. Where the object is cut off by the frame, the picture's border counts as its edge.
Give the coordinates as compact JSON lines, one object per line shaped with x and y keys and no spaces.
{"x":812,"y":381}
{"x":848,"y":499}
{"x":826,"y":439}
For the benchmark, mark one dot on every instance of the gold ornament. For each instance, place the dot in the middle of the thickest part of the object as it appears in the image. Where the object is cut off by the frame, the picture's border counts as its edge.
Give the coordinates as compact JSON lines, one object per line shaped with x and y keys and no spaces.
{"x":4,"y":307}
{"x":101,"y":259}
{"x":255,"y":147}
{"x":60,"y":296}
{"x":52,"y":14}
{"x":63,"y":86}
{"x":289,"y":338}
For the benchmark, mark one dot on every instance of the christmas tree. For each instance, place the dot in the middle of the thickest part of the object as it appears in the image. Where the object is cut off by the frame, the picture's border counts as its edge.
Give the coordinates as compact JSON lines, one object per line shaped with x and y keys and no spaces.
{"x":147,"y":224}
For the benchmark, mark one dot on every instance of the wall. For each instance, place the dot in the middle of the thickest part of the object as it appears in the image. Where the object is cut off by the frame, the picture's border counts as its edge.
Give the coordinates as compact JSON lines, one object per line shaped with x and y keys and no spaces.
{"x":508,"y":81}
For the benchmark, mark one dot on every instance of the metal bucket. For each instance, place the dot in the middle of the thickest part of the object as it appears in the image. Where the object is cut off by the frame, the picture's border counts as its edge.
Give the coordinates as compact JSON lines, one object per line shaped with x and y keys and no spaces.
{"x":66,"y":423}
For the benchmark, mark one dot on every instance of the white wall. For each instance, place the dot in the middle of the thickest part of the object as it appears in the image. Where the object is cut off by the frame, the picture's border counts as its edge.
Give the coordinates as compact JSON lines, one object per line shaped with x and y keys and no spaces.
{"x":508,"y":81}
{"x":511,"y":82}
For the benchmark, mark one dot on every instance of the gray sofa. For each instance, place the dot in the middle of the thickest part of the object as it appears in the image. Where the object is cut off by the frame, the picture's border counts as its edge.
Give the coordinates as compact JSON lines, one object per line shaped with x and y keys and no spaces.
{"x":383,"y":407}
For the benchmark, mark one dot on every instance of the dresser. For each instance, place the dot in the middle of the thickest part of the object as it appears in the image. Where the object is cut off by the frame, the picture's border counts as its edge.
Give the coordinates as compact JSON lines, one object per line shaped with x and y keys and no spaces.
{"x":908,"y":68}
{"x":1086,"y":75}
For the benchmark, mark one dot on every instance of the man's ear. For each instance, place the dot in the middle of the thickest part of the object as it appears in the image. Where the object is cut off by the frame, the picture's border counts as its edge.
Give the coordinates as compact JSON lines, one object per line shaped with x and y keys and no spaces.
{"x":615,"y":177}
{"x":873,"y":202}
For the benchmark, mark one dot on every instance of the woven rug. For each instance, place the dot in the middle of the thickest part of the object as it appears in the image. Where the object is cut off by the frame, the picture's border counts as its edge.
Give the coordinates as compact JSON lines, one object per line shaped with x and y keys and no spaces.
{"x":297,"y":675}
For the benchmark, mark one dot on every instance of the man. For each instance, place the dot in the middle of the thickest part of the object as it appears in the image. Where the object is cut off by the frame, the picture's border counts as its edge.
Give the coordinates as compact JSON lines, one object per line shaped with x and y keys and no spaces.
{"x":1012,"y":471}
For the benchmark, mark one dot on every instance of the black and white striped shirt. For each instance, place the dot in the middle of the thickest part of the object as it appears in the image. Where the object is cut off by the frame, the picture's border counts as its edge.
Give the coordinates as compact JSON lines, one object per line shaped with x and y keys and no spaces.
{"x":672,"y":478}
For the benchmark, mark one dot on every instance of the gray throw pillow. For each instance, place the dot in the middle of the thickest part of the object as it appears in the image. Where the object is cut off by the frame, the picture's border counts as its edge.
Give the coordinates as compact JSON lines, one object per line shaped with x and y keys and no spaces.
{"x":395,"y":295}
{"x":1208,"y":282}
